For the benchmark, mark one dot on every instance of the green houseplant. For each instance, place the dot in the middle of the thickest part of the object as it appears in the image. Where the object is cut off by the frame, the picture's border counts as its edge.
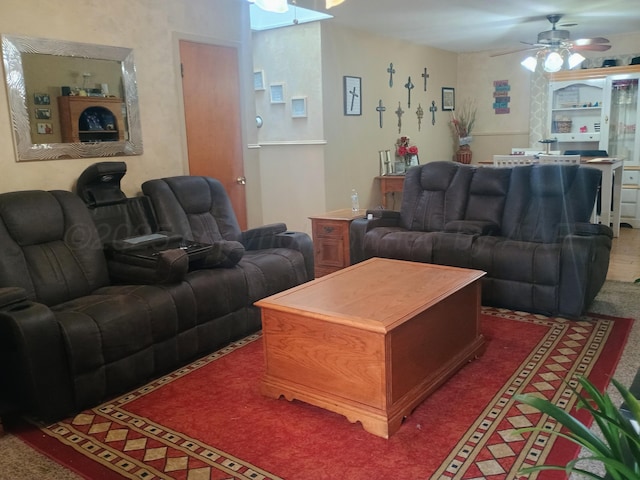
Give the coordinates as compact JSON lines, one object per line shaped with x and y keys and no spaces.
{"x":618,"y":449}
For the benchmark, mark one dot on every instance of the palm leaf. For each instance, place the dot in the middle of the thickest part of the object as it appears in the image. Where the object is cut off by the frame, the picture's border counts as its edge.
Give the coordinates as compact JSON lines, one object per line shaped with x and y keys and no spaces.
{"x":619,"y":452}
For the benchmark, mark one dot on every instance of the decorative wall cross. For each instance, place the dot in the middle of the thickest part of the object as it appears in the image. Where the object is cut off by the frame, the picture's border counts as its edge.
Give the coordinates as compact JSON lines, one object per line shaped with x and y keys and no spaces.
{"x":380,"y":109}
{"x":433,"y":109}
{"x":354,"y":93}
{"x":399,"y":113}
{"x":419,"y":114}
{"x":425,"y":75}
{"x":391,"y":71}
{"x":409,"y":86}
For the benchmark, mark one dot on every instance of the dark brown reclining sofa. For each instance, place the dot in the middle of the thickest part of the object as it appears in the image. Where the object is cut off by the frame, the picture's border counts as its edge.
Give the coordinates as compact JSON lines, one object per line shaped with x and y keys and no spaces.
{"x":527,"y":227}
{"x":72,"y":335}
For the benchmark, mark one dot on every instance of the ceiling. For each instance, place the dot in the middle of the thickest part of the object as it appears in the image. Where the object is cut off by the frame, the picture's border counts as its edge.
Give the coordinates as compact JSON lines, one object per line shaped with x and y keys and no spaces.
{"x":479,"y":25}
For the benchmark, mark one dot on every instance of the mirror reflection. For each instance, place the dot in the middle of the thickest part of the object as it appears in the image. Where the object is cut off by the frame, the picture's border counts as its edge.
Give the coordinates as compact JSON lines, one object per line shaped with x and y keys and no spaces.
{"x":71,"y":100}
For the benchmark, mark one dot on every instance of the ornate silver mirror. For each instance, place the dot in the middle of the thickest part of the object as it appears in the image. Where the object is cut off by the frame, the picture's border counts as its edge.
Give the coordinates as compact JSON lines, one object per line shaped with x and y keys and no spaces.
{"x":71,"y":100}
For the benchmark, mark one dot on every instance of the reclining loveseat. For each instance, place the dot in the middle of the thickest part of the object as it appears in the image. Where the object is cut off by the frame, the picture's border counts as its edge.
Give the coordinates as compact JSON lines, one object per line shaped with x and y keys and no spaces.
{"x":72,"y":335}
{"x":526,"y":226}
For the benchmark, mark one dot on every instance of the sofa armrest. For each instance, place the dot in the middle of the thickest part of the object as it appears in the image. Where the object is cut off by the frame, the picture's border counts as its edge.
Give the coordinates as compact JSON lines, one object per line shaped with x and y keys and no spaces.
{"x":360,"y":226}
{"x":34,"y":372}
{"x":585,"y":229}
{"x":262,"y":237}
{"x":472,"y":227}
{"x":167,"y":266}
{"x":10,"y":296}
{"x":301,"y":242}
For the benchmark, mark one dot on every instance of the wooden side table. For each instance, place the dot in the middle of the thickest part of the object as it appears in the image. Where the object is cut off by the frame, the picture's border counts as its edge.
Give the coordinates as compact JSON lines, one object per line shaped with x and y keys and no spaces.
{"x":390,"y":184}
{"x":330,"y":233}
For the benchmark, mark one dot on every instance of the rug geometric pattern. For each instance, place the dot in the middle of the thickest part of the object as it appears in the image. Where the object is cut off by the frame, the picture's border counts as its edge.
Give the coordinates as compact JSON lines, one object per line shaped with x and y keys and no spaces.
{"x":136,"y":447}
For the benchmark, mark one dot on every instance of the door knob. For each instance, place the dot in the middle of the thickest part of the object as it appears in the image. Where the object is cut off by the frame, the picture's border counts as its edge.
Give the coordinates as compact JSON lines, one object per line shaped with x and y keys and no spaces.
{"x":241,"y":180}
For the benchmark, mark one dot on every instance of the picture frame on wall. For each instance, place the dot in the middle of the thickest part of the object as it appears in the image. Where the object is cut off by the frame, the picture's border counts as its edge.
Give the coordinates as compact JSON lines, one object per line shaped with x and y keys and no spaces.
{"x":448,"y":99}
{"x":41,"y":99}
{"x":276,"y":92}
{"x":298,"y":107}
{"x":258,"y":80}
{"x":352,"y":95}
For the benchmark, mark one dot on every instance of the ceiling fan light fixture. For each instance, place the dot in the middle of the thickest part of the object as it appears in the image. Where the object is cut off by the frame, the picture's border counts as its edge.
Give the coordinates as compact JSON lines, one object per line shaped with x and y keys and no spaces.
{"x":332,"y":3}
{"x":530,"y":63}
{"x":553,"y":63}
{"x":275,"y":6}
{"x":575,"y":59}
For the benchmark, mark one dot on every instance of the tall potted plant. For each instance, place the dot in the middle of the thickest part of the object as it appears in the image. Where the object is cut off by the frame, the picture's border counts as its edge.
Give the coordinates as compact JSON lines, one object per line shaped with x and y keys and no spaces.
{"x":619,"y":448}
{"x":462,"y":124}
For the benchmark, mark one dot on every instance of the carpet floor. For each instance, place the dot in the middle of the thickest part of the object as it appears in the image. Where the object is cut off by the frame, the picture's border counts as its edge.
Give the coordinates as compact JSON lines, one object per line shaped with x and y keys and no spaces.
{"x":149,"y":433}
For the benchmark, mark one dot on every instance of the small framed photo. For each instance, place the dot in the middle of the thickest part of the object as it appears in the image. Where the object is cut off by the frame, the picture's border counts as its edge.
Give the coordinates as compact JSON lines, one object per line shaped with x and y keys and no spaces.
{"x":448,"y":99}
{"x":45,"y":128}
{"x":43,"y":113}
{"x":41,"y":99}
{"x":258,"y":80}
{"x":352,"y":94}
{"x":276,"y":92}
{"x":298,"y":107}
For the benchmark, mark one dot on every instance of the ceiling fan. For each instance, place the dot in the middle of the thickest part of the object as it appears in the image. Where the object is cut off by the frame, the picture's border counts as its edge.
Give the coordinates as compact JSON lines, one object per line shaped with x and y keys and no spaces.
{"x":556,"y":47}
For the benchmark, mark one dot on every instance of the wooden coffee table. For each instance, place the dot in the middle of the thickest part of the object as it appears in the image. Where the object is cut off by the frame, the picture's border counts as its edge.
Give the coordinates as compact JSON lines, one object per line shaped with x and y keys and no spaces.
{"x":373,"y":340}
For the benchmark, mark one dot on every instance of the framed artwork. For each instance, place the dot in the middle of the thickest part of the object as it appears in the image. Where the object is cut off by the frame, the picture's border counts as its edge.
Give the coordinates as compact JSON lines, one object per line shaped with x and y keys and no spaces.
{"x":276,"y":91}
{"x":258,"y":80}
{"x":352,"y":94}
{"x":448,"y":99}
{"x":45,"y":128}
{"x":298,"y":107}
{"x":41,"y":99}
{"x":43,"y":113}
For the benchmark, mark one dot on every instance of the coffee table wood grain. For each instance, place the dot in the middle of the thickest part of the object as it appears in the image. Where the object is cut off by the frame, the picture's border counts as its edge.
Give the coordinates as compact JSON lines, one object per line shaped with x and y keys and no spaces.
{"x":373,"y":340}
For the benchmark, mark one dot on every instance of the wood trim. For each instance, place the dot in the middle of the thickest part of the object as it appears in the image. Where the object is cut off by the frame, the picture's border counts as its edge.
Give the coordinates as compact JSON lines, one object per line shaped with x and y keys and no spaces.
{"x":590,"y":73}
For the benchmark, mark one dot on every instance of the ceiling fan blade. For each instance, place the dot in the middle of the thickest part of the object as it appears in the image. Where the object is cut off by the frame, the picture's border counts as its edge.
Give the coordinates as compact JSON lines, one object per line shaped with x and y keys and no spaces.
{"x":590,"y":41}
{"x":593,"y":48}
{"x":513,"y":51}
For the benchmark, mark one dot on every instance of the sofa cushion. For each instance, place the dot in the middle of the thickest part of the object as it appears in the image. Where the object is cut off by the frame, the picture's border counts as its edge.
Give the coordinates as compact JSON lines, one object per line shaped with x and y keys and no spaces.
{"x":51,"y":246}
{"x":434,"y":195}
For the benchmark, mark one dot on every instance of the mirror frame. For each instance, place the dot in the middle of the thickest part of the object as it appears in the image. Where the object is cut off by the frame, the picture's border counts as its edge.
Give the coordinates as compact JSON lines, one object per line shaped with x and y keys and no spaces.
{"x":12,"y":48}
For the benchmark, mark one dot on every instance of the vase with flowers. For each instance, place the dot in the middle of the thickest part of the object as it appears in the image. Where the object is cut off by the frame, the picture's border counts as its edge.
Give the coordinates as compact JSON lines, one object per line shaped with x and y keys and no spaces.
{"x":406,"y":154}
{"x":461,"y":125}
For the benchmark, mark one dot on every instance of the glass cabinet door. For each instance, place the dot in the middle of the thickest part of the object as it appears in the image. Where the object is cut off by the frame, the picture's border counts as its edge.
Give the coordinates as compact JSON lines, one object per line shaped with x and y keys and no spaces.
{"x":622,"y":140}
{"x":623,"y":117}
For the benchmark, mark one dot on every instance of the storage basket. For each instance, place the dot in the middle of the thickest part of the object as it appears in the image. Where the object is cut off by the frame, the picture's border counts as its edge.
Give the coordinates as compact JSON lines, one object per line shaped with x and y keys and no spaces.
{"x":563,"y":126}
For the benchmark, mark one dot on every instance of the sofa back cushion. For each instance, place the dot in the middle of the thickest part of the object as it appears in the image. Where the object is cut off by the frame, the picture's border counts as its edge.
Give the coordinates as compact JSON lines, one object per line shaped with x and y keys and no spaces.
{"x":538,"y":201}
{"x":196,"y":207}
{"x":434,"y":194}
{"x":50,"y":246}
{"x":488,"y":194}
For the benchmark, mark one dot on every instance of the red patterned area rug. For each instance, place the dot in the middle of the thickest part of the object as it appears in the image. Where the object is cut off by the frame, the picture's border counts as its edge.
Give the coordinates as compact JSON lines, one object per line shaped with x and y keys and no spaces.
{"x":209,"y":420}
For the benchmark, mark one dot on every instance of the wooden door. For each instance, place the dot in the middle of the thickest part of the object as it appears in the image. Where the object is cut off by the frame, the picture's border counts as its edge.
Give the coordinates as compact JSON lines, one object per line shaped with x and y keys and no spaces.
{"x":211,"y":92}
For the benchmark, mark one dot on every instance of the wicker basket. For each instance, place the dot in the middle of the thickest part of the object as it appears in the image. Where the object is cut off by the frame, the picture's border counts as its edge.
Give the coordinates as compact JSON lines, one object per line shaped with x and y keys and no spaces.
{"x":563,"y":126}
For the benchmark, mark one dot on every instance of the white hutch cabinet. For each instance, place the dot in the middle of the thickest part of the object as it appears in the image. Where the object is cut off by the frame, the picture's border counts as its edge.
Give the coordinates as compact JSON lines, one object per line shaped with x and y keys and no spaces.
{"x":598,"y":109}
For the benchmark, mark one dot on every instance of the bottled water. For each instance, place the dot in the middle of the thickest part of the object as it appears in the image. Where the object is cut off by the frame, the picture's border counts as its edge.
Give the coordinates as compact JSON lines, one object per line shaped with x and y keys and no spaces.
{"x":355,"y":204}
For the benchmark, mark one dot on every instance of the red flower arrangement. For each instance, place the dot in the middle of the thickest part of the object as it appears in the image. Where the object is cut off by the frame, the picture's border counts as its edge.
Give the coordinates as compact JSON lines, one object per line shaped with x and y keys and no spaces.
{"x":403,"y":149}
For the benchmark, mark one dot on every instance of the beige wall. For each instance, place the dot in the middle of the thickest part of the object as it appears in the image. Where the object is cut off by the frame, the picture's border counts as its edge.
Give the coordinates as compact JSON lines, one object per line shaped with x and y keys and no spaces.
{"x":314,"y":165}
{"x":309,"y":167}
{"x":151,"y":29}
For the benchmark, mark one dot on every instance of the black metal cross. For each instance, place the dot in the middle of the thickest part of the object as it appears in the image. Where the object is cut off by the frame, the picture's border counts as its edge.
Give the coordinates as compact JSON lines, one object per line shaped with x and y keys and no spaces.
{"x":409,"y":86}
{"x":419,"y":114}
{"x":391,"y":71}
{"x":399,"y":113}
{"x":425,"y":75}
{"x":380,"y":109}
{"x":353,"y":96}
{"x":433,"y":109}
